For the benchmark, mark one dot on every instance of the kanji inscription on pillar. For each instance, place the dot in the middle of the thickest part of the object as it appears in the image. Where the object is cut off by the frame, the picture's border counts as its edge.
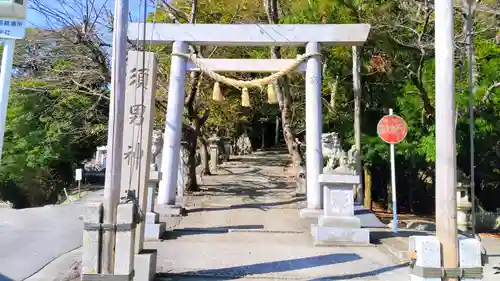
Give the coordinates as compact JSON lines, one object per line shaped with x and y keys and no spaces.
{"x":138,"y":124}
{"x":139,"y":113}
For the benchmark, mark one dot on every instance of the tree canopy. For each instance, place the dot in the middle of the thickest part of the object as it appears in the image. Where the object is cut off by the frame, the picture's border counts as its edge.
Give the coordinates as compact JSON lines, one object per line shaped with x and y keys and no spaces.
{"x":59,"y":98}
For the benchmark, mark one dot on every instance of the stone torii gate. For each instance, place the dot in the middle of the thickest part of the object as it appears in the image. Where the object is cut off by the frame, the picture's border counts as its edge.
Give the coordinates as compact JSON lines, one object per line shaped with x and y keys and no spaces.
{"x":313,"y":36}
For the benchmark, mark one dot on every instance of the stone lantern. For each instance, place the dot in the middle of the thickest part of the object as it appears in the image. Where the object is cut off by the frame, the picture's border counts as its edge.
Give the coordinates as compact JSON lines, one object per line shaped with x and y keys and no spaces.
{"x":214,"y":151}
{"x":464,"y":206}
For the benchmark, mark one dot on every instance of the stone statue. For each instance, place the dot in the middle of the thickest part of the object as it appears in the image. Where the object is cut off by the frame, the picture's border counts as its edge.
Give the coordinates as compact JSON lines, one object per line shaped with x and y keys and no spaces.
{"x":333,"y":162}
{"x":330,"y":143}
{"x":353,"y":157}
{"x":354,"y":164}
{"x":156,"y":148}
{"x":300,"y":177}
{"x":331,"y":148}
{"x":343,"y":167}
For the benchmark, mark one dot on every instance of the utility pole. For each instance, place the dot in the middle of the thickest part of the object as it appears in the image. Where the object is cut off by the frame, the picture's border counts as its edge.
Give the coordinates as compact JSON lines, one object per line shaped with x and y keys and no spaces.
{"x":5,"y":77}
{"x":446,"y":162}
{"x":115,"y":131}
{"x":471,"y":6}
{"x":13,"y":12}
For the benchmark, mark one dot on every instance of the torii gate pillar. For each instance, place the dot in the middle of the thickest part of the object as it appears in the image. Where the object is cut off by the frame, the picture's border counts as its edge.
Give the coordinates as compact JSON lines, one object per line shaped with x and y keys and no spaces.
{"x":314,"y":128}
{"x":310,"y":35}
{"x":173,"y":126}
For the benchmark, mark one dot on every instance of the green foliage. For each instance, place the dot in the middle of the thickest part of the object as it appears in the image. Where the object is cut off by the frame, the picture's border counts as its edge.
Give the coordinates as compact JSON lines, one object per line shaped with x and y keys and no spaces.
{"x":52,"y":126}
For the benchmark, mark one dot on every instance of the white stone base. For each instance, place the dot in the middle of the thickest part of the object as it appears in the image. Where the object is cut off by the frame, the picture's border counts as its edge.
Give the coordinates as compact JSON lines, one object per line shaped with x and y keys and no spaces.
{"x":145,"y":265}
{"x":339,"y":221}
{"x":310,"y":213}
{"x":154,"y":231}
{"x":170,"y":210}
{"x":152,"y":217}
{"x":325,"y":235}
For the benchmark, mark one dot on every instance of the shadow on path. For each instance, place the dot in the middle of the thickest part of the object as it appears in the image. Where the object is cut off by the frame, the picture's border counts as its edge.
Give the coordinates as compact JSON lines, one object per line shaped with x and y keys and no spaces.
{"x":362,"y":274}
{"x":178,"y":232}
{"x":247,"y":206}
{"x":272,"y":267}
{"x":5,"y":278}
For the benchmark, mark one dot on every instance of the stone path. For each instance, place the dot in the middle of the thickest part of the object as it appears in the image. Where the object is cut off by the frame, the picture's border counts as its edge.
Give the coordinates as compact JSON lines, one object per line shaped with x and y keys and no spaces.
{"x":245,"y":224}
{"x":32,"y":238}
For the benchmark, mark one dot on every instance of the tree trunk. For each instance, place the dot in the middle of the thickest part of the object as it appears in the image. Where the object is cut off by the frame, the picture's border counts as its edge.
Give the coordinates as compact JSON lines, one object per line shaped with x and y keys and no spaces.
{"x":333,"y":92}
{"x":368,"y":189}
{"x":205,"y":156}
{"x":284,"y":94}
{"x":190,"y":104}
{"x":286,"y":117}
{"x":192,"y":183}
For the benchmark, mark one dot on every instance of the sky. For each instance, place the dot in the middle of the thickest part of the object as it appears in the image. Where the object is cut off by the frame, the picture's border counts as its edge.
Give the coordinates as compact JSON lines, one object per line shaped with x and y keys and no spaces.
{"x":34,"y":19}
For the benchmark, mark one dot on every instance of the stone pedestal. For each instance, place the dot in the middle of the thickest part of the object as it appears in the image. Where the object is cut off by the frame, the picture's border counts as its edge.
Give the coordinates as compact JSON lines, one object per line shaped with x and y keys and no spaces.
{"x":337,"y":224}
{"x":153,"y":228}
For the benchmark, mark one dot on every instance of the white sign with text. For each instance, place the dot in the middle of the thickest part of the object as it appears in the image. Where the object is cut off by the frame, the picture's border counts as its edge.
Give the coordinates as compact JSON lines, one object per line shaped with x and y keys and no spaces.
{"x":12,"y":28}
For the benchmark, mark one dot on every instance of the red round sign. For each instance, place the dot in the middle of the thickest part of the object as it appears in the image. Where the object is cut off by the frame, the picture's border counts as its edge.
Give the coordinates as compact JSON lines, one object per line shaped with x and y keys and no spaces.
{"x":392,"y":129}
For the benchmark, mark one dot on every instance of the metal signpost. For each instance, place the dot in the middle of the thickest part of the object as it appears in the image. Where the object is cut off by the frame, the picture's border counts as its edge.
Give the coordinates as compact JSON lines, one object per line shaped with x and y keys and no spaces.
{"x":392,"y":129}
{"x":12,"y":27}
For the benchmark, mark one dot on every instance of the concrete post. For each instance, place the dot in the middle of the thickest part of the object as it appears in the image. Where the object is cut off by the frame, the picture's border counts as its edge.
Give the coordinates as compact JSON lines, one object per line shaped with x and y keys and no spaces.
{"x":427,"y":253}
{"x":91,"y":239}
{"x":125,"y":241}
{"x":173,"y":126}
{"x":469,"y":255}
{"x":446,"y":154}
{"x":314,"y":158}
